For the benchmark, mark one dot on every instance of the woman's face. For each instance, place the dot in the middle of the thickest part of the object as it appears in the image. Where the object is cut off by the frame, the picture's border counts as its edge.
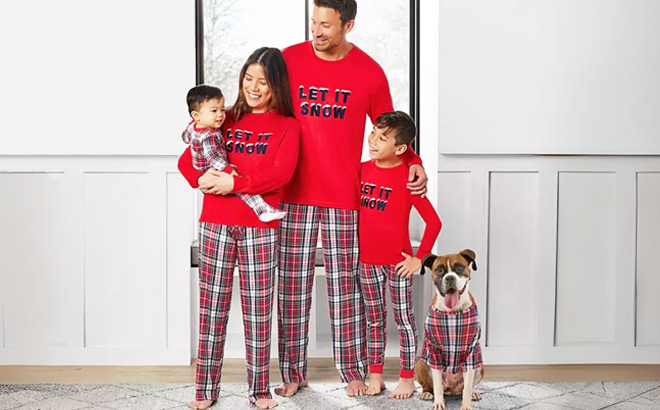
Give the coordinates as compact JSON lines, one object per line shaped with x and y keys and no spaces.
{"x":256,"y":90}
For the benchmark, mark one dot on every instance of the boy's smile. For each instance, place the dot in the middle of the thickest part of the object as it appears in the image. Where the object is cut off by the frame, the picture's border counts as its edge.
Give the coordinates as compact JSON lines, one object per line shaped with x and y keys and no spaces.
{"x":211,"y":114}
{"x":383,"y":147}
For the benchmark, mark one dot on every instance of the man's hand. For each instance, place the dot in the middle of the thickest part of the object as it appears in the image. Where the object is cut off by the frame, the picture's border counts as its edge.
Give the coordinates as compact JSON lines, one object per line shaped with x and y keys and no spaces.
{"x":417,"y":180}
{"x":407,"y":267}
{"x":216,"y":182}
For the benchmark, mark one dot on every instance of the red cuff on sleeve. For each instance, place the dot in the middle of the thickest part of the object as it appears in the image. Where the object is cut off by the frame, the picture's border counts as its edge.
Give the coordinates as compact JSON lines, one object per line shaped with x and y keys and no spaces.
{"x":407,"y":374}
{"x":376,"y":368}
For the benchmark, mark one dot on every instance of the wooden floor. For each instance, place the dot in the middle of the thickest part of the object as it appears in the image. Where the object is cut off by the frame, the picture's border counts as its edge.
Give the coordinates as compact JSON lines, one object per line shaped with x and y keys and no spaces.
{"x":319,"y":370}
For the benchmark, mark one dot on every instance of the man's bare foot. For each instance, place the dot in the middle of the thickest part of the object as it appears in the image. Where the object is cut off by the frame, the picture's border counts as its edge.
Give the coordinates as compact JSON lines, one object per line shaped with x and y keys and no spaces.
{"x":376,"y":384}
{"x":201,"y":404}
{"x":404,"y":389}
{"x":289,"y":389}
{"x":265,"y":403}
{"x":356,"y":388}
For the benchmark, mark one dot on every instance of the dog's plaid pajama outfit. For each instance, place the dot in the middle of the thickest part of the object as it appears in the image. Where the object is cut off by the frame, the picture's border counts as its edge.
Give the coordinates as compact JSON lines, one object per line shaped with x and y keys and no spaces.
{"x":451,"y":341}
{"x":374,"y":279}
{"x":298,"y":234}
{"x":255,"y":251}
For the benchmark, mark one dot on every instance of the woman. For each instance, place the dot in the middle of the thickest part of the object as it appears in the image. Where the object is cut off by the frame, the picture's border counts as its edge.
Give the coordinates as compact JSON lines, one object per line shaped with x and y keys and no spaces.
{"x":262,"y":140}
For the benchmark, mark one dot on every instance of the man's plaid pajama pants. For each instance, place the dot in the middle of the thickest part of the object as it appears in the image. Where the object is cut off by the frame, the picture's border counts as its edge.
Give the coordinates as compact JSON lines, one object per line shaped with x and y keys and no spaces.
{"x":298,"y":234}
{"x":374,"y":279}
{"x":255,"y":250}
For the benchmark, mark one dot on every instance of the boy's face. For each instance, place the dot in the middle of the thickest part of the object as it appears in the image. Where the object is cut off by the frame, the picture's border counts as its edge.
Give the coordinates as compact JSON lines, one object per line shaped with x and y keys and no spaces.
{"x":211,"y":114}
{"x":383,"y":146}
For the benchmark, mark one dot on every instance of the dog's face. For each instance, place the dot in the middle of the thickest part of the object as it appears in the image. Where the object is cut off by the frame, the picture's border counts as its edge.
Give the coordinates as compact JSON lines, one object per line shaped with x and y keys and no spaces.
{"x":451,"y":274}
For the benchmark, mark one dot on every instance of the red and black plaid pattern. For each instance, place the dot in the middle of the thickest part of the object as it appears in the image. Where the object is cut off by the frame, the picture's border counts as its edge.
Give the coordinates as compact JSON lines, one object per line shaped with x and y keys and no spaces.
{"x":207,"y":149}
{"x":298,"y":235}
{"x":452,"y":340}
{"x":255,"y":249}
{"x":374,"y":279}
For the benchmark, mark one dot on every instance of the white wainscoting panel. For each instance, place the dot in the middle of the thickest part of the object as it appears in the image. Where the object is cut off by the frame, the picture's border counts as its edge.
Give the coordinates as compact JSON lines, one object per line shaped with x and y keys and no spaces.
{"x":585,"y":259}
{"x":513,"y":228}
{"x":118,"y":287}
{"x":648,"y":259}
{"x":454,"y":206}
{"x":38,"y":266}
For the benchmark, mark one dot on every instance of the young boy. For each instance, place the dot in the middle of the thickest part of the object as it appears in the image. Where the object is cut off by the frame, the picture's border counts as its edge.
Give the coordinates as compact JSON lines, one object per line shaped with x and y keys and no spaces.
{"x":206,"y":106}
{"x":385,"y":250}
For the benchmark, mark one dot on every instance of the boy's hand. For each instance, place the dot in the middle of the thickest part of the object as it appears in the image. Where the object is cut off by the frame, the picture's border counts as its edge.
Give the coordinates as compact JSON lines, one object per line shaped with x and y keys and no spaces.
{"x":417,"y":180}
{"x":407,"y":267}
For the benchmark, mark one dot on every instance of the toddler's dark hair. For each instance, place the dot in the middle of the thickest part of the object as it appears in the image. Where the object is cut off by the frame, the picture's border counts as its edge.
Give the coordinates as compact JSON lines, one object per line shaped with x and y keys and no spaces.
{"x":197,"y":95}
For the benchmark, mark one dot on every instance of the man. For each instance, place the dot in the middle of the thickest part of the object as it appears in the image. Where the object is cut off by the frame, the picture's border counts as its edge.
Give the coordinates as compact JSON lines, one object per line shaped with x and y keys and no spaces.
{"x":334,"y":85}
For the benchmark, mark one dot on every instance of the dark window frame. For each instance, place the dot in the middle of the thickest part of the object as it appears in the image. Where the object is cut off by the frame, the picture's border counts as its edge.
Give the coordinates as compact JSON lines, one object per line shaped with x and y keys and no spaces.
{"x":414,"y":55}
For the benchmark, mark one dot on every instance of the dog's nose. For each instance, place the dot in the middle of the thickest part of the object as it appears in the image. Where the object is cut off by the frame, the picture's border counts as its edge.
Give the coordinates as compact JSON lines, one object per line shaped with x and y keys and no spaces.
{"x":450,"y":280}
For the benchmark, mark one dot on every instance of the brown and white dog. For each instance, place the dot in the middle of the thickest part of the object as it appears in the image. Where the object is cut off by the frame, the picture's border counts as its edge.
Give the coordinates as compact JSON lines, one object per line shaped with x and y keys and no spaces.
{"x":451,"y":276}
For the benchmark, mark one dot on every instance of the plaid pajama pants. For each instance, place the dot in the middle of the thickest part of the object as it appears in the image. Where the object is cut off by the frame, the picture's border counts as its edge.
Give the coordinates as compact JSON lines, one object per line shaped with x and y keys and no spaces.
{"x":298,"y":234}
{"x":221,"y":247}
{"x":374,"y":279}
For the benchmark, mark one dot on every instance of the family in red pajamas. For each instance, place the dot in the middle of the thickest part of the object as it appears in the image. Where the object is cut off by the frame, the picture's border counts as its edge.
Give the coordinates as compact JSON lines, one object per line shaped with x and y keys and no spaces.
{"x":295,"y":136}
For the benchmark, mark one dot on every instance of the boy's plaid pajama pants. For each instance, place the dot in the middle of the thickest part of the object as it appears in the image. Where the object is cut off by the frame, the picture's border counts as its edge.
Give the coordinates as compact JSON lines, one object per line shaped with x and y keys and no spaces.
{"x":373,"y":281}
{"x":255,"y":250}
{"x":298,"y":234}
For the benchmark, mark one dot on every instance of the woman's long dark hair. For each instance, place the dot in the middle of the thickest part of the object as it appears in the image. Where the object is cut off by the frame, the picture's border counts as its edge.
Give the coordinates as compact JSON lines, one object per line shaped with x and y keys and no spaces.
{"x":277,"y":77}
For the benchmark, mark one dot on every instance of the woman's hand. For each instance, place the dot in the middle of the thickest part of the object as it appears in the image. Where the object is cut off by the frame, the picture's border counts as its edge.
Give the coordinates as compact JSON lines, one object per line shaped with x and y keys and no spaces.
{"x":417,"y":180}
{"x":216,"y":182}
{"x":407,"y":267}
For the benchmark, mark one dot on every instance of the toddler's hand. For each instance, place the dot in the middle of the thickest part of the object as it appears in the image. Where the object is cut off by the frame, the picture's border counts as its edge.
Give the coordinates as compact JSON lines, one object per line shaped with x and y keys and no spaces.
{"x":408,"y":266}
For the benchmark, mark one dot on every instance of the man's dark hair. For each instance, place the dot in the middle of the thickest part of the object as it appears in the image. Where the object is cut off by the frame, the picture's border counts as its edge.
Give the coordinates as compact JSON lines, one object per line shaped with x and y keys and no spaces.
{"x":197,"y":95}
{"x":347,"y":9}
{"x":400,"y":123}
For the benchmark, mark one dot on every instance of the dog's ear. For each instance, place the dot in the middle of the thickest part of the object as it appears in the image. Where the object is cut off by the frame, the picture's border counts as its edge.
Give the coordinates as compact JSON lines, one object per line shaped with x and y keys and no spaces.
{"x":427,"y":262}
{"x":469,"y":255}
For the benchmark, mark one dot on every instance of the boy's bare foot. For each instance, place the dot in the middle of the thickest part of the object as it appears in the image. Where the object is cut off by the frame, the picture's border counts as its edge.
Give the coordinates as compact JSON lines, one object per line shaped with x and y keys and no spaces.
{"x":265,"y":403}
{"x":376,"y":384}
{"x":404,"y":389}
{"x":201,"y":404}
{"x":289,"y":389}
{"x":356,"y":388}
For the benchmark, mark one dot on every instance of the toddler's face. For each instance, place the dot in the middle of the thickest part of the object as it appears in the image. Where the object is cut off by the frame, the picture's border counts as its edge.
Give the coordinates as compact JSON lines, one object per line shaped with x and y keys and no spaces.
{"x":211,"y":114}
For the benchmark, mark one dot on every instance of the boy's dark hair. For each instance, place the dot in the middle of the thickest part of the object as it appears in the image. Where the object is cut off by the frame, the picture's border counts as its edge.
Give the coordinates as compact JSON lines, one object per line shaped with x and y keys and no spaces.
{"x":197,"y":95}
{"x":401,"y":123}
{"x":347,"y":9}
{"x":277,"y":77}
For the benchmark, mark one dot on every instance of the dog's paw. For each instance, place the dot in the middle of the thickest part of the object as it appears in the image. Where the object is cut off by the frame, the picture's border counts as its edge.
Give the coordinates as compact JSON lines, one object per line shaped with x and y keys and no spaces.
{"x":476,"y":396}
{"x":439,"y":405}
{"x":466,"y":406}
{"x":425,"y":395}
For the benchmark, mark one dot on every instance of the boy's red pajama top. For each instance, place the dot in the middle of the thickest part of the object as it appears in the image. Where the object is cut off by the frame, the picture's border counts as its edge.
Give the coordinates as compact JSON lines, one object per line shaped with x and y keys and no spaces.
{"x":330,"y":99}
{"x":264,"y":150}
{"x":385,"y":205}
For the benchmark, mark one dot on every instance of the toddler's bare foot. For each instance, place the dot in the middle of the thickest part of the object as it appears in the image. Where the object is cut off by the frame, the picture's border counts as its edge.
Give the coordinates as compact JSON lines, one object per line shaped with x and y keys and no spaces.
{"x":376,"y":384}
{"x":404,"y":389}
{"x":289,"y":389}
{"x":201,"y":404}
{"x":265,"y":403}
{"x":356,"y":388}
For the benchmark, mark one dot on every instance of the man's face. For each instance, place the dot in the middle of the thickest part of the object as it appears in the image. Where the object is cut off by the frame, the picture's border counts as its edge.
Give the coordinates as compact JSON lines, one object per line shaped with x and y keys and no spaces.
{"x":327,"y":31}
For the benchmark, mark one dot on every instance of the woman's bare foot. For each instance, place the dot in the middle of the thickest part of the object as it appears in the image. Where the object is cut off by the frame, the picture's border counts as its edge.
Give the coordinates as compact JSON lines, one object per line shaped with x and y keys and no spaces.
{"x":356,"y":388}
{"x":265,"y":403}
{"x":289,"y":389}
{"x":201,"y":404}
{"x":376,"y":384}
{"x":404,"y":389}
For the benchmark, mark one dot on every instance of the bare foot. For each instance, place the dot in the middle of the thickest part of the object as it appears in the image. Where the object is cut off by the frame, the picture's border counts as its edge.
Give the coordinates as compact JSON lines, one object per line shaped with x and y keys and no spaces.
{"x":376,"y":384}
{"x":201,"y":404}
{"x":404,"y":389}
{"x":356,"y":388}
{"x":265,"y":403}
{"x":289,"y":389}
